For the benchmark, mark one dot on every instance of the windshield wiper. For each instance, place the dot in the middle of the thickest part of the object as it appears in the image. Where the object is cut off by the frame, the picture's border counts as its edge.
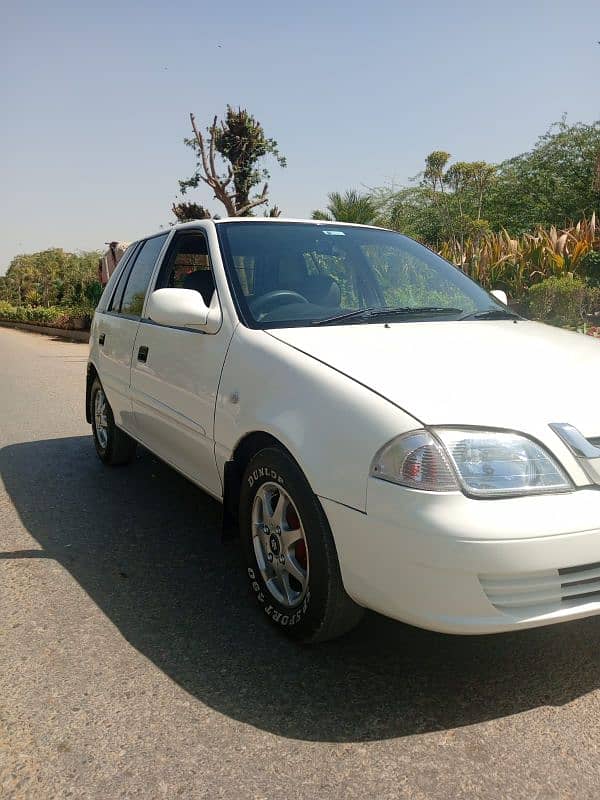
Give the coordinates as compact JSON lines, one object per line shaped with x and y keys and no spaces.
{"x":492,"y":313}
{"x":379,"y":311}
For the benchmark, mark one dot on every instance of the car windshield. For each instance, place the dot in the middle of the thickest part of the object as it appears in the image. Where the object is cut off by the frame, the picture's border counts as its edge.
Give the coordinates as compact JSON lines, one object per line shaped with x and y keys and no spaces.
{"x":293,"y":274}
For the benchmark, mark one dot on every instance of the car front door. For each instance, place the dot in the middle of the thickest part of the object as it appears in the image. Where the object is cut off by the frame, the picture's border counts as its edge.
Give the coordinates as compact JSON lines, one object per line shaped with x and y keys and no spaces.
{"x":175,"y":371}
{"x":117,"y":326}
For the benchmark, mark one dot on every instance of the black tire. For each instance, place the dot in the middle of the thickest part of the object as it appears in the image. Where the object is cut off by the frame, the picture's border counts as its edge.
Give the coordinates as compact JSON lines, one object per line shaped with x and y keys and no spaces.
{"x":119,"y":447}
{"x":325,"y":611}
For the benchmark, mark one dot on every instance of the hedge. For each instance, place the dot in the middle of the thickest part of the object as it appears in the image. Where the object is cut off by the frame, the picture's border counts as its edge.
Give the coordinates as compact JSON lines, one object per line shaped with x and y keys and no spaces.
{"x":52,"y":316}
{"x":567,"y":302}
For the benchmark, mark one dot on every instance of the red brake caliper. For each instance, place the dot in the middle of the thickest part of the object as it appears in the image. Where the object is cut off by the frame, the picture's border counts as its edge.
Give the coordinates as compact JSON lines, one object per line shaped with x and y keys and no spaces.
{"x":300,"y":547}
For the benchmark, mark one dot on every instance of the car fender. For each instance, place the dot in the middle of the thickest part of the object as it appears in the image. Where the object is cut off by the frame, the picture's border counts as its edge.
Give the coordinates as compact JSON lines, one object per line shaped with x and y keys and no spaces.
{"x":331,"y":424}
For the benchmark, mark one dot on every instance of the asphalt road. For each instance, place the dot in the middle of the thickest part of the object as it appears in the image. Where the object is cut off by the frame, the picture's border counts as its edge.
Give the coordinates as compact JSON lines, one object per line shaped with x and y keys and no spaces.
{"x":133,"y":663}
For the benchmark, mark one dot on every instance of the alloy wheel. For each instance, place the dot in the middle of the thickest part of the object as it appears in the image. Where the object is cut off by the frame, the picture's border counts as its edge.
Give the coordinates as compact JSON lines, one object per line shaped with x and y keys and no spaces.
{"x":101,"y":418}
{"x":280,"y":544}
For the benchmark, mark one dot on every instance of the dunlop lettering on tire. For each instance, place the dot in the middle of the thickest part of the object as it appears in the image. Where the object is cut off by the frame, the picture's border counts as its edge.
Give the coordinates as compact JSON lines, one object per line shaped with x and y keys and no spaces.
{"x":262,"y":472}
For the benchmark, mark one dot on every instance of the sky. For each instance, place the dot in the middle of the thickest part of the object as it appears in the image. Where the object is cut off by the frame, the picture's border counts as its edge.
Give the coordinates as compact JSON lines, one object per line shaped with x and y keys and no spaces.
{"x":95,"y":98}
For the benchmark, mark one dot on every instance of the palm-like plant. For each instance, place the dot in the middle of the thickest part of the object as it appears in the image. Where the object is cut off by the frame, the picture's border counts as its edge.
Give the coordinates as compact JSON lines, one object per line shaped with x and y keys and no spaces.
{"x":515,"y":264}
{"x":348,"y":207}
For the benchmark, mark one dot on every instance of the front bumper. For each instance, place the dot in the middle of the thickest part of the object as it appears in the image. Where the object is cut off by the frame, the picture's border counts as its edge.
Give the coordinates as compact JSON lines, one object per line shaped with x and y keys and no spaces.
{"x":457,"y":565}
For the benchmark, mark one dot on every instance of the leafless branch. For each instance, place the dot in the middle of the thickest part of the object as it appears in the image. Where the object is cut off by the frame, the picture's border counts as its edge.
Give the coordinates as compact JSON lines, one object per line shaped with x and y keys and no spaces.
{"x":200,"y":140}
{"x":211,"y":177}
{"x":212,"y":148}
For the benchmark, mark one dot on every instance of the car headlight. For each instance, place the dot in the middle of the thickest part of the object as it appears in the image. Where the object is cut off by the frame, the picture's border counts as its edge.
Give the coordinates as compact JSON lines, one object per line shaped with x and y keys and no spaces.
{"x":481,"y":463}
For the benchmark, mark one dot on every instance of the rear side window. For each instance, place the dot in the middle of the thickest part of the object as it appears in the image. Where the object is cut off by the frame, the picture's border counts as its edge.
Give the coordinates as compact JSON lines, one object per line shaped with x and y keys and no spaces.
{"x":115,"y":277}
{"x":119,"y":277}
{"x":139,"y":277}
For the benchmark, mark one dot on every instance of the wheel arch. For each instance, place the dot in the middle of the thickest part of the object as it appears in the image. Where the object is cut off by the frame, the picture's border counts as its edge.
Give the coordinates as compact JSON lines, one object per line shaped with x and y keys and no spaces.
{"x":244,"y":451}
{"x":91,"y":374}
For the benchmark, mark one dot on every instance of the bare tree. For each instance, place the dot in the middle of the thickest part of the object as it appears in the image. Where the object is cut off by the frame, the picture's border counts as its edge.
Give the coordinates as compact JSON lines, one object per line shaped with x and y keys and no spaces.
{"x":239,"y":144}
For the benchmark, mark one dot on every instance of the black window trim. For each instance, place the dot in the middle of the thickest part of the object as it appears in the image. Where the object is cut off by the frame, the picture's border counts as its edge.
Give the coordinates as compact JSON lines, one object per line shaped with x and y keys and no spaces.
{"x":141,"y":243}
{"x":123,"y":277}
{"x":109,"y":287}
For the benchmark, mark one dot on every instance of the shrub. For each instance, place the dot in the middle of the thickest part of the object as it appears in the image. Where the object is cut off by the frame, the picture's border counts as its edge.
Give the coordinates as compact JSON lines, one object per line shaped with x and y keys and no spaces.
{"x":93,"y":293}
{"x":53,"y":316}
{"x":590,"y":267}
{"x":563,"y":301}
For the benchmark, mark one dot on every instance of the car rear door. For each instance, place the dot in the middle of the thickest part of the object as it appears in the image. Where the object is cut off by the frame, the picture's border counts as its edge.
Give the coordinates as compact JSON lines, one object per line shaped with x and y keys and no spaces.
{"x":175,"y":371}
{"x":116,"y":329}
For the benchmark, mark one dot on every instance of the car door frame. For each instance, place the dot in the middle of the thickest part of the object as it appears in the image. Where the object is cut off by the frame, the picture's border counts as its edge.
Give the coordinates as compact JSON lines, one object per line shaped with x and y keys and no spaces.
{"x":229,"y":321}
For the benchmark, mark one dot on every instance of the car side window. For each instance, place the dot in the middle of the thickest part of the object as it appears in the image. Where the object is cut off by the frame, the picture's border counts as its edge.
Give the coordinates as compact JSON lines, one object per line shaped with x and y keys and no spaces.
{"x":114,"y":278}
{"x":139,"y":277}
{"x":120,"y":275}
{"x":187,"y":266}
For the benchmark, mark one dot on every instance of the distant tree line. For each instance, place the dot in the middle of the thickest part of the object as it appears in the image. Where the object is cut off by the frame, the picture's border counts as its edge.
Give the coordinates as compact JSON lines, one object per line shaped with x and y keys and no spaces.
{"x":513,"y":225}
{"x":556,"y":183}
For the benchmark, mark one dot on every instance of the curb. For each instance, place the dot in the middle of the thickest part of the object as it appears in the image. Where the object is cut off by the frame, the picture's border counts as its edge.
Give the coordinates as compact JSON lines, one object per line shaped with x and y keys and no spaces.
{"x":74,"y":336}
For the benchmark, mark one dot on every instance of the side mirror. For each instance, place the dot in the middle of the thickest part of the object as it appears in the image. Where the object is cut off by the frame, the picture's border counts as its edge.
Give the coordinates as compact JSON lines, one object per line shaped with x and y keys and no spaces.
{"x":184,"y":308}
{"x":499,"y":294}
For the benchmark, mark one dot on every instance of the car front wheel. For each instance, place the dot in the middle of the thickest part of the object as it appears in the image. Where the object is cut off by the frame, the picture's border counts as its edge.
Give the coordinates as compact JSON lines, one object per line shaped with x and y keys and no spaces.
{"x":292,"y":561}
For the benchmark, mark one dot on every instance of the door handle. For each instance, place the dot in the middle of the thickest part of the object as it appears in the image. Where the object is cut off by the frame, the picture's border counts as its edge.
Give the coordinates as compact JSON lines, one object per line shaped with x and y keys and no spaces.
{"x":142,"y":354}
{"x":101,"y":339}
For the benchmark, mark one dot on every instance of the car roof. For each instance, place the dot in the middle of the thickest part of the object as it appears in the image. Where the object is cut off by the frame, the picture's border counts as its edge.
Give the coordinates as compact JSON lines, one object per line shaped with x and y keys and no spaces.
{"x":288,"y":219}
{"x":262,"y":220}
{"x":193,"y":224}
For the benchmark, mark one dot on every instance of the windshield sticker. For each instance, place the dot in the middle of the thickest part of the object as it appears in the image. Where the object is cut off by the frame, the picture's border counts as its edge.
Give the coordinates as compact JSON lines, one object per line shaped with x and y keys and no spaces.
{"x":333,"y":233}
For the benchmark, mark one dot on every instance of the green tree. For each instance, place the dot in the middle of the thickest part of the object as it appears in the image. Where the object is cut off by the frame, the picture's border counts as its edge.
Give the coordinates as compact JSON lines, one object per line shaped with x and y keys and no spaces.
{"x":433,"y":175}
{"x":186,"y":212}
{"x":230,"y":160}
{"x":348,"y":207}
{"x":447,"y":203}
{"x":470,"y":182}
{"x":555,"y":183}
{"x":410,"y":211}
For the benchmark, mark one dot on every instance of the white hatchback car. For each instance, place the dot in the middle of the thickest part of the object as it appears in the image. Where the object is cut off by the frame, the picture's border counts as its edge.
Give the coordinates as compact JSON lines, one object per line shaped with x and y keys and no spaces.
{"x":386,"y":433}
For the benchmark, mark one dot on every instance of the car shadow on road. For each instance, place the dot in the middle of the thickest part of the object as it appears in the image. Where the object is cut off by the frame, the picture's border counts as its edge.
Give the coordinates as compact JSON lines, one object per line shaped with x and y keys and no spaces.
{"x":144,"y":544}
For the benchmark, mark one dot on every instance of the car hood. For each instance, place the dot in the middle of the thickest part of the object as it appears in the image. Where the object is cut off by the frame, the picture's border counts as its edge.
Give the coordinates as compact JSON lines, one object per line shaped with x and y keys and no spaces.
{"x":499,"y":373}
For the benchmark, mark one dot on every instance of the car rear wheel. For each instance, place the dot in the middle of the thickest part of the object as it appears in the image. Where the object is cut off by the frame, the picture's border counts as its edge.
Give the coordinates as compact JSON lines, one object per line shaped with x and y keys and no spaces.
{"x":113,"y":445}
{"x":292,"y":561}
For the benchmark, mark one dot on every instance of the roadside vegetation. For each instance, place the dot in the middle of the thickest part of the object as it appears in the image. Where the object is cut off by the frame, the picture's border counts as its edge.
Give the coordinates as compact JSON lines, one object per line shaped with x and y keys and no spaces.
{"x":65,"y":317}
{"x":51,"y":288}
{"x":529,"y":225}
